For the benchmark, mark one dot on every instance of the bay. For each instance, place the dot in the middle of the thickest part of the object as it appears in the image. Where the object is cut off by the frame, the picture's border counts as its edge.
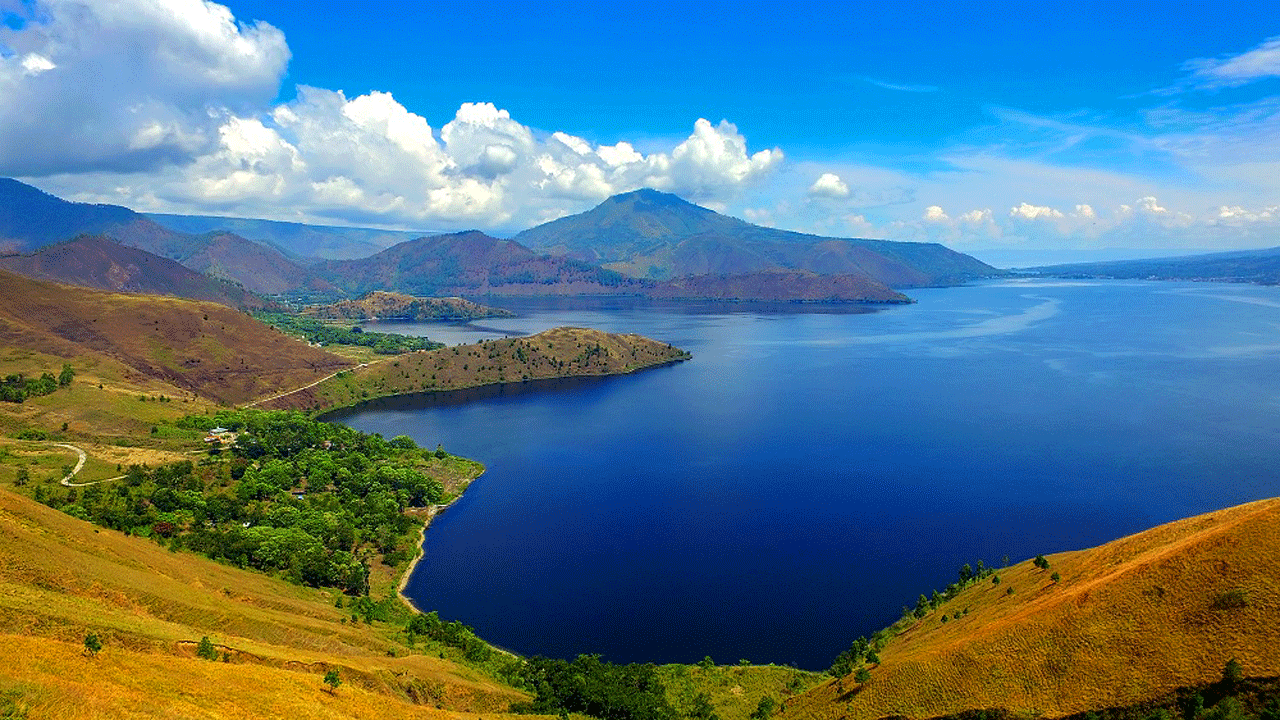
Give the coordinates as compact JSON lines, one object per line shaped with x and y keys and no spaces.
{"x":813,"y":469}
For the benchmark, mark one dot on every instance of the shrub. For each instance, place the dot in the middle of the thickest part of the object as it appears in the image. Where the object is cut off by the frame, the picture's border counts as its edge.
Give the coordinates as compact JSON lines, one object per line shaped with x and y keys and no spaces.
{"x":1230,"y":599}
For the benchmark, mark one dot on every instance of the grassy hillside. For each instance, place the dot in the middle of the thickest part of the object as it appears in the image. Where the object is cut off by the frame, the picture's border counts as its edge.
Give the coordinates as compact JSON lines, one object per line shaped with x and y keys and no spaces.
{"x":562,"y":352}
{"x":61,"y":578}
{"x":104,"y":264}
{"x":1125,"y":622}
{"x":379,"y":305}
{"x":201,"y":350}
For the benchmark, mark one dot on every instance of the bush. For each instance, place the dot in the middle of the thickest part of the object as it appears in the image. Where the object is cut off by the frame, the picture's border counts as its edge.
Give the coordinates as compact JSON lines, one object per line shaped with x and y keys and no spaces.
{"x":1230,"y":599}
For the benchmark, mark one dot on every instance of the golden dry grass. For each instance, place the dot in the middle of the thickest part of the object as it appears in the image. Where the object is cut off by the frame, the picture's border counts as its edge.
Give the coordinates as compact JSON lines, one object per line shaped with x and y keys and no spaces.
{"x":61,"y":578}
{"x":199,"y":348}
{"x":1129,"y":621}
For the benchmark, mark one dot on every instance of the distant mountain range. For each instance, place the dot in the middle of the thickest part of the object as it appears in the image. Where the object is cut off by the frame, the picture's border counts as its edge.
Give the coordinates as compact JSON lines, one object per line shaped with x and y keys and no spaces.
{"x":302,"y":243}
{"x":1251,"y":266}
{"x":644,"y":243}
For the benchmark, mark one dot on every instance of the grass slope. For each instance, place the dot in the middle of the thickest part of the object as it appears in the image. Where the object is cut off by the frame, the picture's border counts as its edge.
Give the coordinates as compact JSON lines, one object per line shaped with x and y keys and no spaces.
{"x":379,"y":305}
{"x":561,"y":352}
{"x":61,"y":578}
{"x":1128,"y":621}
{"x":201,"y":348}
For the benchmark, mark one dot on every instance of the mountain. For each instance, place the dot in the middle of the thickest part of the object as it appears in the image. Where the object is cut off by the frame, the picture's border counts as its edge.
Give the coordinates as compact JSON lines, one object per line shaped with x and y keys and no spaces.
{"x":469,"y":263}
{"x":31,"y":219}
{"x":652,"y":234}
{"x":105,"y":264}
{"x":1123,"y":623}
{"x":200,"y":347}
{"x":1252,"y":266}
{"x":300,"y":241}
{"x":260,"y":268}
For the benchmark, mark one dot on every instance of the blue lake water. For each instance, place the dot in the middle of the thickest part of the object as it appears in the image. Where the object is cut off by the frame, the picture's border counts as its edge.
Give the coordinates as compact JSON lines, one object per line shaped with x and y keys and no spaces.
{"x":808,"y":473}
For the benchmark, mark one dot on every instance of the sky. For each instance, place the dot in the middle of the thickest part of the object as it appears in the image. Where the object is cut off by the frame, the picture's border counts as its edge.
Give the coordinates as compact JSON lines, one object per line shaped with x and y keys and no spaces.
{"x":988,"y":126}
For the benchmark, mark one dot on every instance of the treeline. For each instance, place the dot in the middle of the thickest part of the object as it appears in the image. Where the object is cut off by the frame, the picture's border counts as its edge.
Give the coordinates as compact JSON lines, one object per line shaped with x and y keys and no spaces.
{"x":17,"y":388}
{"x":314,"y":501}
{"x":319,"y":332}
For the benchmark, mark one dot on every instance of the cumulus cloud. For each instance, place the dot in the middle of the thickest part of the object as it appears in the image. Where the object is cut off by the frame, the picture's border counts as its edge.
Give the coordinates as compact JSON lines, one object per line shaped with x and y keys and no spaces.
{"x":935,"y":214}
{"x":1026,"y":211}
{"x":829,"y":185}
{"x":127,"y":85}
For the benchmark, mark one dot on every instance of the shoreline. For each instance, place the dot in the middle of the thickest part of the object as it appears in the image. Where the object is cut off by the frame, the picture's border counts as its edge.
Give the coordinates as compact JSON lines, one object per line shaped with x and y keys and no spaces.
{"x":431,"y":511}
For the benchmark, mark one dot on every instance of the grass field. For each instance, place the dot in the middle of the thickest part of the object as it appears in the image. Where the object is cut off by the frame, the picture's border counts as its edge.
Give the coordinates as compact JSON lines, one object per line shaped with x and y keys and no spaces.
{"x":61,"y":578}
{"x":1127,"y":621}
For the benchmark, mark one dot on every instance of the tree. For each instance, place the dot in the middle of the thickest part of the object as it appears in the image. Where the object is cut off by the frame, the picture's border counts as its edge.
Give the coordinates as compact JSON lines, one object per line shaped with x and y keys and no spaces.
{"x":206,"y":650}
{"x":1232,"y":674}
{"x":440,"y":453}
{"x":862,"y":676}
{"x":1041,"y":562}
{"x":764,"y":709}
{"x":66,"y":376}
{"x":92,"y":644}
{"x":333,"y":680}
{"x":706,"y":663}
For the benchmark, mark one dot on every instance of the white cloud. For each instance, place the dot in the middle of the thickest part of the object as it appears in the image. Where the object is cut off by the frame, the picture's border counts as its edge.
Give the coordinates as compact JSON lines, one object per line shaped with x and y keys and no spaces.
{"x":1025,"y":211}
{"x":829,"y":185}
{"x":127,"y":85}
{"x":935,"y":214}
{"x":1260,"y":62}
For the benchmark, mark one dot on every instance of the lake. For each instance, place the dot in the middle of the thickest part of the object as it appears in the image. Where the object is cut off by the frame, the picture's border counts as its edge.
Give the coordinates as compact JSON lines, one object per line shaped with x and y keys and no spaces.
{"x":807,"y":474}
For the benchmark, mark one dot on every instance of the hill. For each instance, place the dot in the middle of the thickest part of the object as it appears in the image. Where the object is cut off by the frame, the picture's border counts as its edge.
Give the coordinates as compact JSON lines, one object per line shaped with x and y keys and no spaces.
{"x":300,"y":241}
{"x":260,"y":268}
{"x":561,"y":352}
{"x":104,"y":264}
{"x":1251,"y":266}
{"x":651,"y":234}
{"x":198,"y":347}
{"x":62,"y":578}
{"x":380,"y":305}
{"x":469,"y":263}
{"x":1127,"y":621}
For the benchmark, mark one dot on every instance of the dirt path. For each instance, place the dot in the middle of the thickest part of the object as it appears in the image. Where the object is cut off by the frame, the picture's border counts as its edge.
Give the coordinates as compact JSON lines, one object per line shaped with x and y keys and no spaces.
{"x":79,"y":466}
{"x":304,"y":387}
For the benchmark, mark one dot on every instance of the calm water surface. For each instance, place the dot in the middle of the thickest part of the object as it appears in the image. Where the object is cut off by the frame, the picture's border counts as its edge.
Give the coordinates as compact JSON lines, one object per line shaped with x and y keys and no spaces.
{"x":807,"y":474}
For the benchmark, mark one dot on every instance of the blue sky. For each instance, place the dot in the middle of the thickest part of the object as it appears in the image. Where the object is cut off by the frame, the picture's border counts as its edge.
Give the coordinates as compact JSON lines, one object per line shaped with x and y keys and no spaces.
{"x":987,"y":126}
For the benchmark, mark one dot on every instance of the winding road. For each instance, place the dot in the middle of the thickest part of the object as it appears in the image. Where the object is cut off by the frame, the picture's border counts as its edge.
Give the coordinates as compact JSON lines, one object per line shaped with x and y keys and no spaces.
{"x":304,"y":387}
{"x":79,"y":466}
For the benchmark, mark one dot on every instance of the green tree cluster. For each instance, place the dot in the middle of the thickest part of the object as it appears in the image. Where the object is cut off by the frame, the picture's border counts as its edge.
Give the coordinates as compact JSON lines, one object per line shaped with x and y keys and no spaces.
{"x":248,"y":508}
{"x":596,"y":688}
{"x":319,"y":332}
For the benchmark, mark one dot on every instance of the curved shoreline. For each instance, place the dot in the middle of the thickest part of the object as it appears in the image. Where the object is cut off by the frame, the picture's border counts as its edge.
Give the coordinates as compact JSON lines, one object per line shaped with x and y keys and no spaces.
{"x":431,"y":512}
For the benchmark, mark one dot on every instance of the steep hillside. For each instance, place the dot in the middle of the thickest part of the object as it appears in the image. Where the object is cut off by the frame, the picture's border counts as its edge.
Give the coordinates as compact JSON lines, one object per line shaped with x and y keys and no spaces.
{"x":104,"y":264}
{"x":1128,"y":621}
{"x":204,"y":348}
{"x":561,"y":352}
{"x":62,"y":578}
{"x":469,"y":263}
{"x":657,"y":235}
{"x":380,"y":305}
{"x":779,"y":286}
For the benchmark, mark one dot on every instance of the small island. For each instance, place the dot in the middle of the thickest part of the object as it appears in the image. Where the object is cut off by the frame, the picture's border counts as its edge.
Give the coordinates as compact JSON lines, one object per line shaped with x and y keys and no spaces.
{"x":379,"y":305}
